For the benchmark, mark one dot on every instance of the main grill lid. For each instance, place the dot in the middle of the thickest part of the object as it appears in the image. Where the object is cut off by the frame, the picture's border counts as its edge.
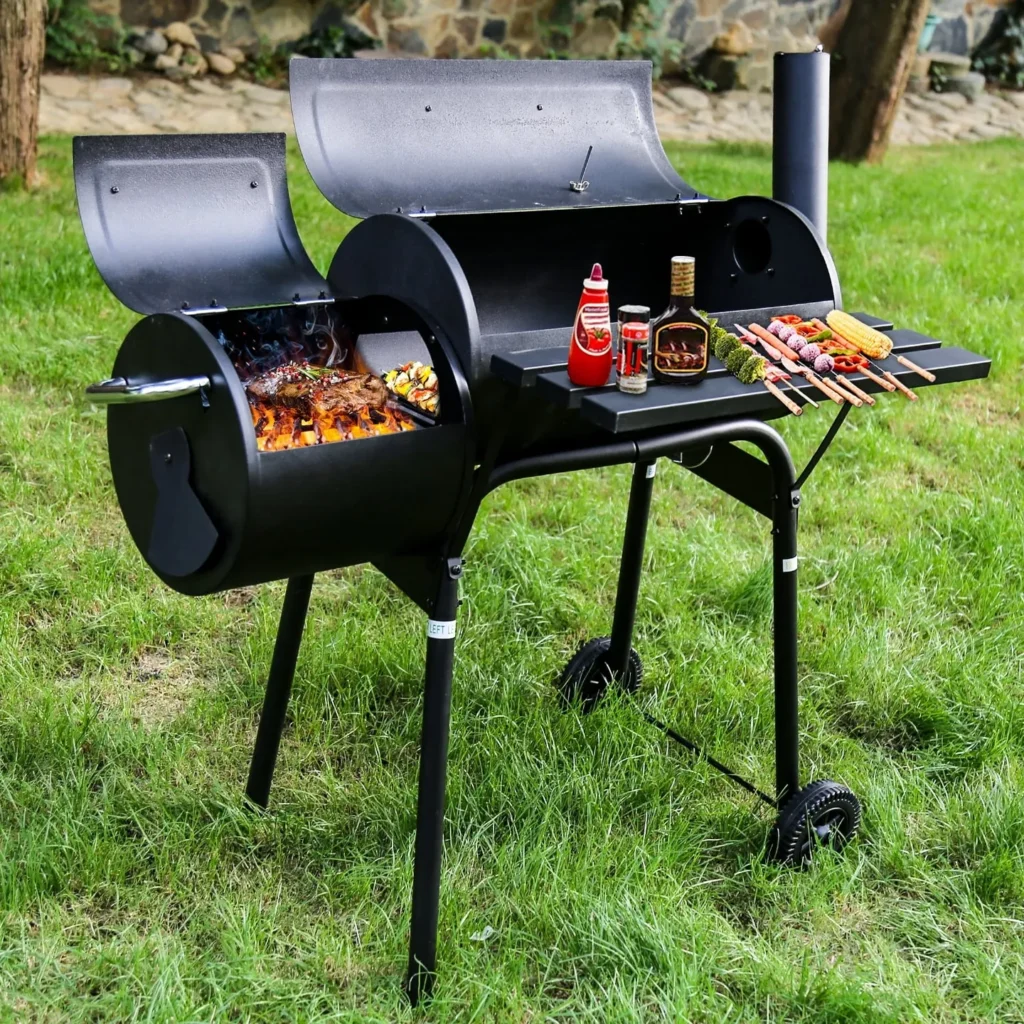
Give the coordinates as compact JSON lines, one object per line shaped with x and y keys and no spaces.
{"x":192,"y":222}
{"x":473,"y":136}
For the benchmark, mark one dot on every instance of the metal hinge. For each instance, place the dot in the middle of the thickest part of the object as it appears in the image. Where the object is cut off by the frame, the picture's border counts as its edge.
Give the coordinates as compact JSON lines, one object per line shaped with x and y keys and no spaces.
{"x":201,"y":310}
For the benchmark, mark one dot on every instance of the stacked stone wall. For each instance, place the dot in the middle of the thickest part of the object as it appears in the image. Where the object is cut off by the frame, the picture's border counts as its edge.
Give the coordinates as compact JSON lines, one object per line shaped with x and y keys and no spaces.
{"x":743,"y":33}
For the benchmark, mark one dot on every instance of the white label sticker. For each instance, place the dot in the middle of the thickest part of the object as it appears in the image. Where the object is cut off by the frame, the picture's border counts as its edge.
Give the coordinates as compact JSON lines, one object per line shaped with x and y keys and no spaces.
{"x":789,"y":564}
{"x":440,"y":630}
{"x":651,"y":469}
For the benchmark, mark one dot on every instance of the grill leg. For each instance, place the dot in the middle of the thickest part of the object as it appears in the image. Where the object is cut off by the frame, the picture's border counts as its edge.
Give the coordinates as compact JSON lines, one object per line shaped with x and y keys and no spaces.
{"x":437,"y":700}
{"x":631,"y":566}
{"x":279,"y":688}
{"x":784,"y":592}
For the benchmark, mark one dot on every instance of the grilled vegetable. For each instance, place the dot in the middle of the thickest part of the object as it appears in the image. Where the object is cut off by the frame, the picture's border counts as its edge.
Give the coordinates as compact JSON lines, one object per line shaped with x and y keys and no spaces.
{"x":753,"y":369}
{"x":738,"y":358}
{"x":725,"y":343}
{"x":872,"y":343}
{"x":416,"y":383}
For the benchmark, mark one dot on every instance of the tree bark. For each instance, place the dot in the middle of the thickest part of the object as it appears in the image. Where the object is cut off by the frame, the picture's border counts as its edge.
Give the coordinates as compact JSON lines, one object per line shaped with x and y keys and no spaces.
{"x":871,"y":64}
{"x":22,"y":45}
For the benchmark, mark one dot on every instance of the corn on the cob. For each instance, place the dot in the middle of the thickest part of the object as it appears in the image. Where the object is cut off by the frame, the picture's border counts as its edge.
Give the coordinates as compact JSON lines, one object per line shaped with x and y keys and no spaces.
{"x":872,"y":343}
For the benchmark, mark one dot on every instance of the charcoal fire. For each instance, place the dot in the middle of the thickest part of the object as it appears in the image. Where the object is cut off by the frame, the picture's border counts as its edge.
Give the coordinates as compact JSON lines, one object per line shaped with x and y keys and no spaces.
{"x":294,"y":363}
{"x":296,"y":405}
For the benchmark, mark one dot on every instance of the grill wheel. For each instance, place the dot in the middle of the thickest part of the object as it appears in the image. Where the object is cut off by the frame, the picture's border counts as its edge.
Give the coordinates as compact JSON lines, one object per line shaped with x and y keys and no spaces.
{"x":823,"y":813}
{"x":588,"y":674}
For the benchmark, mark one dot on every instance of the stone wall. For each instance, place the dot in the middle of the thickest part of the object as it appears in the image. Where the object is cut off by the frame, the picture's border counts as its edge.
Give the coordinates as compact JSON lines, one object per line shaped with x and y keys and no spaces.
{"x":746,"y":32}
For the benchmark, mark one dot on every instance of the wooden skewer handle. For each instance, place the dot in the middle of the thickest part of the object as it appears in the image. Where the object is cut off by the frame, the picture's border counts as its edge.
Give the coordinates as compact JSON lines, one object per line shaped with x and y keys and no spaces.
{"x":787,"y":402}
{"x":862,"y":395}
{"x":853,"y":399}
{"x":903,"y":387}
{"x":825,"y":389}
{"x":927,"y":374}
{"x":880,"y":381}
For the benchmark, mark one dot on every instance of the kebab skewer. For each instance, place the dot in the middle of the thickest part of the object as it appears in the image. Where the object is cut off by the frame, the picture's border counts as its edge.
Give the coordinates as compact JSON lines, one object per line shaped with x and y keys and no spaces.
{"x":747,"y":366}
{"x":874,"y":349}
{"x":789,"y":335}
{"x":822,"y":361}
{"x":792,"y":363}
{"x":776,"y":356}
{"x":874,"y":344}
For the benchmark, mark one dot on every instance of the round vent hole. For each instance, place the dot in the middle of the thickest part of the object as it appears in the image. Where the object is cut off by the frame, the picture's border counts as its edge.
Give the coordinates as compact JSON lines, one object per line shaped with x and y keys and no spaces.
{"x":752,"y":249}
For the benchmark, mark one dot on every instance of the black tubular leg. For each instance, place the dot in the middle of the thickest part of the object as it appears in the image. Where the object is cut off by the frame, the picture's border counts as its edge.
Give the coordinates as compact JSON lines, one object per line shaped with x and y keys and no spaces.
{"x":279,"y":688}
{"x":632,"y":565}
{"x":437,"y":700}
{"x":784,"y":558}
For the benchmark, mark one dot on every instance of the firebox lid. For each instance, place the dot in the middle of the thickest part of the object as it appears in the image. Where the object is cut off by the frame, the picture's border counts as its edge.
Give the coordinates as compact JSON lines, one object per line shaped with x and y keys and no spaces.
{"x":190,"y":222}
{"x":474,"y":136}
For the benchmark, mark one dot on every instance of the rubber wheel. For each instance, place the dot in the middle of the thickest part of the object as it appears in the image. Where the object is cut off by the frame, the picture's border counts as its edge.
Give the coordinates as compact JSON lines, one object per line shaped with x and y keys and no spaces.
{"x":588,"y":674}
{"x":823,"y":813}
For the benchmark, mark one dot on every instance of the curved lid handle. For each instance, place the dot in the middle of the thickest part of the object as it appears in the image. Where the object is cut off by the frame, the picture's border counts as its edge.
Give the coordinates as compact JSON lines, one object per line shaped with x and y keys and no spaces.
{"x":186,"y":222}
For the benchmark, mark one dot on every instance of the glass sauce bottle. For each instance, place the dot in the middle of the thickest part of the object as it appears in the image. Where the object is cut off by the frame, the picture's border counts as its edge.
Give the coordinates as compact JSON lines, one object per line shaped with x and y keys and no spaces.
{"x":680,"y":337}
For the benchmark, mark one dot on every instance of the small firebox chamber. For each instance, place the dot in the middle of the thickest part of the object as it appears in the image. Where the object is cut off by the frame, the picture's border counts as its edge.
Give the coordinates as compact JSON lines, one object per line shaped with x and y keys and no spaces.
{"x":249,"y":408}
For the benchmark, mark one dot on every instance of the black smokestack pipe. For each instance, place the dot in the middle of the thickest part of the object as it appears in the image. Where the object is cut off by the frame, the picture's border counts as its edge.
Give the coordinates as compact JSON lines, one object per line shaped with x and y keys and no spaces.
{"x":800,"y":134}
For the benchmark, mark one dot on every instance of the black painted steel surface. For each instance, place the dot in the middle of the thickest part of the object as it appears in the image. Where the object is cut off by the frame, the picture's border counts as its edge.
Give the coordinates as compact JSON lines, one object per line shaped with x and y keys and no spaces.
{"x":800,"y":134}
{"x":278,"y":513}
{"x":192,"y":221}
{"x":464,"y":136}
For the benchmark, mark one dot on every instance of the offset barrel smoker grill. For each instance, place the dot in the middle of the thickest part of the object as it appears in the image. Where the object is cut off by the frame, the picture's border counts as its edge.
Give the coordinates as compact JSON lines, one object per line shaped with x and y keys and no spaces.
{"x":478,"y":227}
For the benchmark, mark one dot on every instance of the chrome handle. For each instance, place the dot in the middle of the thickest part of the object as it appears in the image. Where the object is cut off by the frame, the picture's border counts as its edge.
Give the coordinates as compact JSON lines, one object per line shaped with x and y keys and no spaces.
{"x":117,"y":390}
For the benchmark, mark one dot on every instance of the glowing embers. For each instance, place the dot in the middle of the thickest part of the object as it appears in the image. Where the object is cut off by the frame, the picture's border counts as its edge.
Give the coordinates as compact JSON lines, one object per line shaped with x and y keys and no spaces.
{"x":295,"y":365}
{"x":296,"y":405}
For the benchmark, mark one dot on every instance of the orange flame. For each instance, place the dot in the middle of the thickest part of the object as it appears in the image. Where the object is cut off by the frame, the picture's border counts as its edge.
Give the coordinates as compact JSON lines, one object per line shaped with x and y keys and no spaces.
{"x":280,"y":427}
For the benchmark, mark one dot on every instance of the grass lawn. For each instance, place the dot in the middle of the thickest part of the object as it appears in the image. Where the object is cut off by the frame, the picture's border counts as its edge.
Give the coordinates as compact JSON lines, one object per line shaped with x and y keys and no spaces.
{"x":619,"y":880}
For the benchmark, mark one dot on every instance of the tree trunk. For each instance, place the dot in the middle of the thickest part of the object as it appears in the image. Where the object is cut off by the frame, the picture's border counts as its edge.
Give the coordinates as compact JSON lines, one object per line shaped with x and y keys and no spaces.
{"x":22,"y":44}
{"x":871,"y":64}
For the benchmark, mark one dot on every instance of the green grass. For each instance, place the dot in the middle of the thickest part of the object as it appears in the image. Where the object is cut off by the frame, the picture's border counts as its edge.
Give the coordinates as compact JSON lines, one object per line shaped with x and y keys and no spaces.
{"x":622,"y":881}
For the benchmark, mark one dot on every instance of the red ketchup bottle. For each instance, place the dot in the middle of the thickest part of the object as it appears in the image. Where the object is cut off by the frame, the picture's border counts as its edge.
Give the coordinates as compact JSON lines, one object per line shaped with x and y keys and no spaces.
{"x":590,"y":350}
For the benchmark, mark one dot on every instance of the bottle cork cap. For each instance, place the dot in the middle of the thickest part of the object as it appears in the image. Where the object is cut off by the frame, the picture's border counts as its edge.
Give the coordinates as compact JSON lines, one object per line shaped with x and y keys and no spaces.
{"x":683,"y":275}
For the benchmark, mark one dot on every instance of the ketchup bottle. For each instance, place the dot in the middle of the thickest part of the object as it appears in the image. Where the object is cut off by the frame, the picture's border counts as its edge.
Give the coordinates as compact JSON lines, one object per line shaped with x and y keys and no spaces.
{"x":590,"y":350}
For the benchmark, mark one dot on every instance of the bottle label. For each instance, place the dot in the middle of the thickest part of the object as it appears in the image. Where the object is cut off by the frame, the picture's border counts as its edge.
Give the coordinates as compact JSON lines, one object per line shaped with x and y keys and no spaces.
{"x":683,"y":275}
{"x":631,"y":363}
{"x":680,"y":349}
{"x":592,"y":330}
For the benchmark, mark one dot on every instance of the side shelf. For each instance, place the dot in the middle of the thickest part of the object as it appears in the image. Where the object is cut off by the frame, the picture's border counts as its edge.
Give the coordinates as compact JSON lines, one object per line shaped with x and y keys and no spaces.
{"x":720,"y":394}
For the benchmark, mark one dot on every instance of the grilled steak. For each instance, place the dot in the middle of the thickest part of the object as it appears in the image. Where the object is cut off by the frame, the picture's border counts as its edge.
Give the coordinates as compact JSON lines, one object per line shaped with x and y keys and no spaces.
{"x":350,"y":395}
{"x":311,"y":389}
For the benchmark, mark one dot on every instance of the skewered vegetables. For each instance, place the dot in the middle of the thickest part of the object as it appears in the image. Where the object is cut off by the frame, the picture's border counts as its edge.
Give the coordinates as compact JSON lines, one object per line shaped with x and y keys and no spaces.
{"x":872,"y":343}
{"x":725,"y":344}
{"x":755,"y":368}
{"x":738,"y":358}
{"x":416,"y":383}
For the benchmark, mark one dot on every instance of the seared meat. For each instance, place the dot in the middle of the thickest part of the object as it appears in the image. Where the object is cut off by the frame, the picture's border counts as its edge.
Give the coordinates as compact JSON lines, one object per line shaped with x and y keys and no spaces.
{"x":350,"y":395}
{"x":308,"y":389}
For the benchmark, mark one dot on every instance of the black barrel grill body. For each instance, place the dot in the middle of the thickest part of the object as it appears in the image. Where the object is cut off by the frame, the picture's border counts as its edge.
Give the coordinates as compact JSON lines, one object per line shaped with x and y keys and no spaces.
{"x":192,"y":231}
{"x":487,"y":191}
